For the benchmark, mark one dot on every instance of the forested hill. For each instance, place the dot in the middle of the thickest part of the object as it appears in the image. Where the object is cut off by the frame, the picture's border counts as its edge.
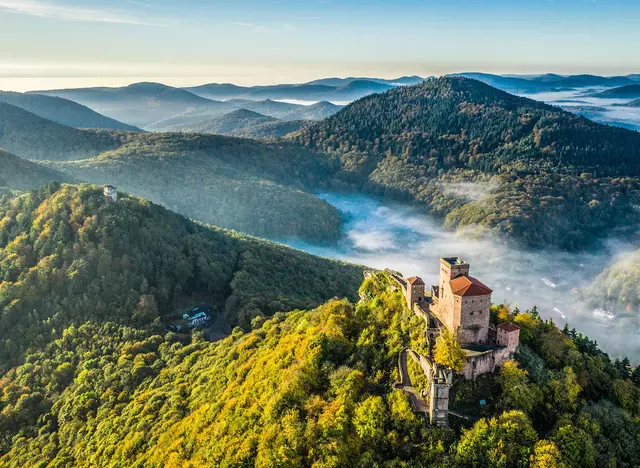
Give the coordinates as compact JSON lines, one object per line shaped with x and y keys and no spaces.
{"x":67,"y":256}
{"x":253,"y":187}
{"x":555,"y":172}
{"x":617,"y":288}
{"x":631,"y":91}
{"x":457,"y":122}
{"x":19,"y":174}
{"x":311,"y":388}
{"x":33,"y":137}
{"x":239,"y":184}
{"x":62,"y":111}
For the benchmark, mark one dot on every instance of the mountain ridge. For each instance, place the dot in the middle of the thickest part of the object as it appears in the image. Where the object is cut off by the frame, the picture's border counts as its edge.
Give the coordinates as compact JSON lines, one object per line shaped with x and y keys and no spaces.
{"x":63,"y":111}
{"x":33,"y":137}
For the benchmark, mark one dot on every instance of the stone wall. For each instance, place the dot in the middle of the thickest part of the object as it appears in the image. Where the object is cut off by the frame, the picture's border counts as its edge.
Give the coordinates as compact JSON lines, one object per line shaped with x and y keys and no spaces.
{"x":486,"y":362}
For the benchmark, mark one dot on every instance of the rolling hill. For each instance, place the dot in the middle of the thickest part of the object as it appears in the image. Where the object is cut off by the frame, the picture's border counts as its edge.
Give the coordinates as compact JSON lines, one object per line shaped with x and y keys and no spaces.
{"x":234,"y":183}
{"x":33,"y":137}
{"x":224,"y":125}
{"x":408,"y":143}
{"x":139,"y":104}
{"x":275,"y":109}
{"x":253,"y":187}
{"x":617,"y":287}
{"x":631,"y":91}
{"x":275,"y":129}
{"x":20,"y":174}
{"x":68,"y":256}
{"x":241,"y":123}
{"x":62,"y":111}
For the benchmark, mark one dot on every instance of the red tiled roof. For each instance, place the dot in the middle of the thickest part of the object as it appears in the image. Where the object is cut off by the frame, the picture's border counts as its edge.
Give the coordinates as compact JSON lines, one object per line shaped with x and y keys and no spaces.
{"x":468,"y":286}
{"x":415,"y":280}
{"x":508,"y":327}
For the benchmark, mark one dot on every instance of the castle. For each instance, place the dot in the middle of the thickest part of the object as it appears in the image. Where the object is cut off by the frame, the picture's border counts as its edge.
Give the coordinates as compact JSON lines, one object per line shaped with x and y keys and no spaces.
{"x":462,"y":304}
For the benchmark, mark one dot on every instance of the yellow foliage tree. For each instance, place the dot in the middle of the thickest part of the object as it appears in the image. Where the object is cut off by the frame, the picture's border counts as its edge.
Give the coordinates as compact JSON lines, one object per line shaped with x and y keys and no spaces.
{"x":448,"y":351}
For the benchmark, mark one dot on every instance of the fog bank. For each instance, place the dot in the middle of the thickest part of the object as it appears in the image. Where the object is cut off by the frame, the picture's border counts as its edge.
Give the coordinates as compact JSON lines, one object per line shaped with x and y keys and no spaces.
{"x":397,"y":237}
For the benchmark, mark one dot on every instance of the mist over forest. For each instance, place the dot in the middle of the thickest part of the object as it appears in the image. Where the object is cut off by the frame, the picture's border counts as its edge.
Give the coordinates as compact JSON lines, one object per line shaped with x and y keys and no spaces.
{"x":387,"y":235}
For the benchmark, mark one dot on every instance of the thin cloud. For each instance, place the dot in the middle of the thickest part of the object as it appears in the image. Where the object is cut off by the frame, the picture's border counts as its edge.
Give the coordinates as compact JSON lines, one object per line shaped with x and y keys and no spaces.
{"x":69,"y":13}
{"x":254,"y":27}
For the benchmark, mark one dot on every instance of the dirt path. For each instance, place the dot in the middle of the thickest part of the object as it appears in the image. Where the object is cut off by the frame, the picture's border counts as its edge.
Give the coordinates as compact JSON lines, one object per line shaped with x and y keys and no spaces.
{"x":417,"y":401}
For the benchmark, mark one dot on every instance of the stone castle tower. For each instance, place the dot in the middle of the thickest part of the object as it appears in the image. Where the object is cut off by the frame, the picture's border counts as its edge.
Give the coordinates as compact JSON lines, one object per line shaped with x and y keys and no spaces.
{"x":462,"y":302}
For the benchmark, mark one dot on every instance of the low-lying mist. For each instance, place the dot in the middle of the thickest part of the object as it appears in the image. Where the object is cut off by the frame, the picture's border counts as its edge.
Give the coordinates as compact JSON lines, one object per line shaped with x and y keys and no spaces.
{"x":604,"y":111}
{"x":397,"y":237}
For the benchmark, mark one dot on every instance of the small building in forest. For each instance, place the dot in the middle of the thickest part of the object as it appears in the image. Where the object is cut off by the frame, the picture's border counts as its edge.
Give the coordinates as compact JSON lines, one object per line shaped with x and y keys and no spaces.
{"x":110,"y":193}
{"x":199,"y":317}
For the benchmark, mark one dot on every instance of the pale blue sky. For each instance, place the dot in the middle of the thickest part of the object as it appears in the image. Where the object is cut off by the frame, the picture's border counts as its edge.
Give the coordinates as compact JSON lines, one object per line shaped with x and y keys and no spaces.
{"x":51,"y":43}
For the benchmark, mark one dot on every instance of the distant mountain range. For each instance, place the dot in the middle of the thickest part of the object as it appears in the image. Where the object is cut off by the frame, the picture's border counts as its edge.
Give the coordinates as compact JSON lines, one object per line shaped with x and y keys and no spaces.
{"x":631,"y":91}
{"x":62,"y":111}
{"x":521,"y":84}
{"x":139,"y":104}
{"x":348,"y":90}
{"x":157,"y":107}
{"x":401,"y":81}
{"x":241,"y":122}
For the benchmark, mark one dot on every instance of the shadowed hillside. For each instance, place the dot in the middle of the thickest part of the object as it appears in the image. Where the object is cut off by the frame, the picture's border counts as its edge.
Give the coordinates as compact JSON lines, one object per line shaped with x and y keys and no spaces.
{"x":19,"y":174}
{"x":33,"y":137}
{"x":231,"y":183}
{"x":62,"y":111}
{"x":224,"y":124}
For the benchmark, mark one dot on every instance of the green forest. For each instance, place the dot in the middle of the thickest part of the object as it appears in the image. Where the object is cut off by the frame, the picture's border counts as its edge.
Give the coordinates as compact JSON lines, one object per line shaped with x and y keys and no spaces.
{"x":310,"y":388}
{"x":561,"y":180}
{"x":253,"y":187}
{"x":68,"y":256}
{"x":557,"y":180}
{"x":618,"y":286}
{"x":231,"y":183}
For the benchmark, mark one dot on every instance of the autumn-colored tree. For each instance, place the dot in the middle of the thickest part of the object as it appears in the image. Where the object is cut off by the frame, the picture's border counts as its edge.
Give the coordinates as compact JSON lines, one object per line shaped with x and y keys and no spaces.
{"x":448,"y":351}
{"x":546,"y":455}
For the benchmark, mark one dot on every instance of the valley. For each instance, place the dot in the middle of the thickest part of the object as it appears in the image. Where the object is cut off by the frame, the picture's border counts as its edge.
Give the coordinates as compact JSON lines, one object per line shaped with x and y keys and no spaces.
{"x":300,"y":358}
{"x":389,"y":235}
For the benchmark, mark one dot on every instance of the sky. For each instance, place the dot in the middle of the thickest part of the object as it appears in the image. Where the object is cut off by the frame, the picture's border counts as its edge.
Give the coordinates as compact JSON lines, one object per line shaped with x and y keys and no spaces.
{"x":71,"y":43}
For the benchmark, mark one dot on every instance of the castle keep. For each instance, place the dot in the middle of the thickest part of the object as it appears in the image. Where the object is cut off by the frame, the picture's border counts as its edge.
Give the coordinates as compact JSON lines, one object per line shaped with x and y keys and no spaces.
{"x":462,"y":304}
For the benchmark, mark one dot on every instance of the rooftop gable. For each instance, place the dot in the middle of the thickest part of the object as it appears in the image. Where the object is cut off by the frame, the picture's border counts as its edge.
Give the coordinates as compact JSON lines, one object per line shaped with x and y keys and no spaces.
{"x":508,"y":327}
{"x":415,"y":280}
{"x":469,"y":286}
